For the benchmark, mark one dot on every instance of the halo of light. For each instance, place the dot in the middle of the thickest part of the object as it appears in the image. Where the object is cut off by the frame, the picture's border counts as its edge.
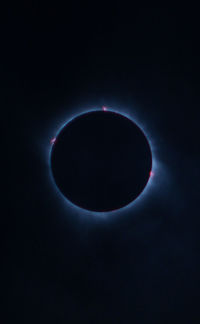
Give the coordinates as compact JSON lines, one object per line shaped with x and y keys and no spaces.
{"x":151,"y":184}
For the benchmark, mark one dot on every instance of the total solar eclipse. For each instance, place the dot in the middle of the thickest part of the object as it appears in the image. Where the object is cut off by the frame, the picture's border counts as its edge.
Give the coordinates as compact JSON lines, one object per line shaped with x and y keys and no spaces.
{"x":101,"y":161}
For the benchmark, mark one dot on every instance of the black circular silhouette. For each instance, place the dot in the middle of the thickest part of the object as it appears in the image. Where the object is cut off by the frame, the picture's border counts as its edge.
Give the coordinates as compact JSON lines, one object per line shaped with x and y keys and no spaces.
{"x":101,"y":161}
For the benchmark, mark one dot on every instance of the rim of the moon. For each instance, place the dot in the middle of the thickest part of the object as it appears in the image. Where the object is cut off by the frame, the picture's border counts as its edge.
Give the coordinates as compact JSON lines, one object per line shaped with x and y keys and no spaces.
{"x":69,"y":202}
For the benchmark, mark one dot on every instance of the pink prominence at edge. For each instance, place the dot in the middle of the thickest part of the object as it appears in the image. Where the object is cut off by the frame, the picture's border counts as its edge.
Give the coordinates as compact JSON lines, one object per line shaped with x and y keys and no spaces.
{"x":151,"y":173}
{"x":104,"y":108}
{"x":52,"y":141}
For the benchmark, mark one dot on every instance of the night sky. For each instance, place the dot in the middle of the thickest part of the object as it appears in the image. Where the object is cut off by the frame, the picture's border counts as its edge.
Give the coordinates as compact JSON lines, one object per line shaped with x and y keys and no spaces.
{"x":61,"y":264}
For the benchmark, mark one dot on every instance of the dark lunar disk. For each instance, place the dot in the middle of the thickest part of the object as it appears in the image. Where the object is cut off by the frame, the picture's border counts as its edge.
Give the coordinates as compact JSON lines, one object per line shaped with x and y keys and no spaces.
{"x":101,"y":161}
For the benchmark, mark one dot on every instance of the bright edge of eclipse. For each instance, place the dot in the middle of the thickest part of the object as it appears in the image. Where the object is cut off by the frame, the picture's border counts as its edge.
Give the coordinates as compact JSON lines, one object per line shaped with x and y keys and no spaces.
{"x":143,"y":195}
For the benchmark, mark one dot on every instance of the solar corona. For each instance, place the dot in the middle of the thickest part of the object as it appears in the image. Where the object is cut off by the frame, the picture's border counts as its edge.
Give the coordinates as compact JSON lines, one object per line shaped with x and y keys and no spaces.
{"x":101,"y":161}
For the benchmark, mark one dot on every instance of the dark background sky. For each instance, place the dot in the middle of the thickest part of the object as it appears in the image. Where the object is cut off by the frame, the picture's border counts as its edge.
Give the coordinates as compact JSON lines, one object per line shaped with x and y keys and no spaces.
{"x":61,"y":266}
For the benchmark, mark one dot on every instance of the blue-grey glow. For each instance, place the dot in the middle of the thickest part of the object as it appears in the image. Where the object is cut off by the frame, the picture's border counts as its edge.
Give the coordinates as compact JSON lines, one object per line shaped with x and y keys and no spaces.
{"x":151,"y":186}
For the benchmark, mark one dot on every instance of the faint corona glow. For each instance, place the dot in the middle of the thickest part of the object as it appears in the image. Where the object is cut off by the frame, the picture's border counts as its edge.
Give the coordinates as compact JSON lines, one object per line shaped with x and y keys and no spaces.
{"x":152,"y":184}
